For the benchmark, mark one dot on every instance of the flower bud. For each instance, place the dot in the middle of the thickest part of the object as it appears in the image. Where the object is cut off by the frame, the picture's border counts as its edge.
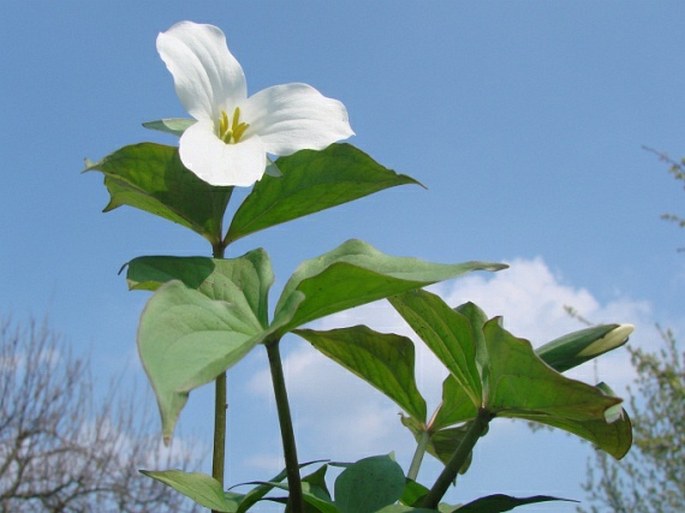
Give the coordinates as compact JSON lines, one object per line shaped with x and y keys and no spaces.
{"x":578,"y":347}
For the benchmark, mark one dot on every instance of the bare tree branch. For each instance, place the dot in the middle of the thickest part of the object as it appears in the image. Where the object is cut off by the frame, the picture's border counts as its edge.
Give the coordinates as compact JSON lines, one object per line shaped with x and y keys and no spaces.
{"x":59,"y":453}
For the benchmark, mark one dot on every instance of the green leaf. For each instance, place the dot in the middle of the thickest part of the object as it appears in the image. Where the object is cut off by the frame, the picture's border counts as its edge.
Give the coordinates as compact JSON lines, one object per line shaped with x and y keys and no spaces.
{"x":413,"y":492}
{"x":498,"y":503}
{"x":244,"y":280}
{"x":456,"y":407}
{"x":445,"y":442}
{"x":580,"y":346}
{"x":521,"y":383}
{"x":152,"y":178}
{"x":515,"y":381}
{"x":311,"y":181}
{"x":447,"y":333}
{"x":614,"y":438}
{"x":315,"y":485}
{"x":386,"y":361}
{"x":203,"y":489}
{"x":259,"y":492}
{"x":174,"y":126}
{"x":188,"y":336}
{"x":368,"y":485}
{"x":149,"y":272}
{"x":354,"y":274}
{"x":313,"y":503}
{"x":185,"y":340}
{"x":522,"y":386}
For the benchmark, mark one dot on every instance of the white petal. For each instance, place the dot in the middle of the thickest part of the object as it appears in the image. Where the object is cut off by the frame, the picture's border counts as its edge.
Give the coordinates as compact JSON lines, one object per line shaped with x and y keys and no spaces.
{"x":294,"y":117}
{"x":218,"y":163}
{"x":207,"y":77}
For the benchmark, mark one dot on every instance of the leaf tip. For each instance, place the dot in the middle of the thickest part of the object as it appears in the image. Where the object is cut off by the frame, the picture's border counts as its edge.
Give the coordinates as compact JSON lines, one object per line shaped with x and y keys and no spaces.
{"x":88,"y":165}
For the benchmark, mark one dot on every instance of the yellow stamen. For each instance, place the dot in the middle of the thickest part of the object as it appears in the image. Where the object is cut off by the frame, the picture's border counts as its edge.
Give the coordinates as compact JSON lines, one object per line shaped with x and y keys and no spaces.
{"x":232,"y":133}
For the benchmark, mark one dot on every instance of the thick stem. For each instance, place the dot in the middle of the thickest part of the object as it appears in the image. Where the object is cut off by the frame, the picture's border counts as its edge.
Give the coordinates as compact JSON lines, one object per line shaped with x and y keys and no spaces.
{"x":418,"y":456}
{"x":449,"y":473}
{"x":220,"y":407}
{"x":292,"y":466}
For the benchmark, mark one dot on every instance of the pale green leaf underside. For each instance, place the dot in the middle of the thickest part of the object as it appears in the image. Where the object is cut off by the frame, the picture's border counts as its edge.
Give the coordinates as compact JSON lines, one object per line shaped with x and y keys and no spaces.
{"x":205,"y":315}
{"x":203,"y":489}
{"x":174,"y":126}
{"x":185,"y":340}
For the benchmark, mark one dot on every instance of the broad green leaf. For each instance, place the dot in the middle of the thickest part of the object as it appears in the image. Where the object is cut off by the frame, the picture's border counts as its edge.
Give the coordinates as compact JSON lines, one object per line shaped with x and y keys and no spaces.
{"x":455,"y":407}
{"x":614,"y":438}
{"x":521,"y":383}
{"x":580,"y":346}
{"x":477,"y":319}
{"x":354,"y":274}
{"x":243,"y":281}
{"x":498,"y":503}
{"x":368,"y":485}
{"x":152,"y":178}
{"x":186,"y":339}
{"x":413,"y":493}
{"x":386,"y":361}
{"x":203,"y":489}
{"x":311,"y":181}
{"x":523,"y":386}
{"x":447,"y":333}
{"x":205,"y":315}
{"x":564,"y":353}
{"x":175,"y":126}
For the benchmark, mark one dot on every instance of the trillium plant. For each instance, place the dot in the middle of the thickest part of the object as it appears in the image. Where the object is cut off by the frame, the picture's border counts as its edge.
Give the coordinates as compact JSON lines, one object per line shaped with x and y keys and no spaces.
{"x":208,"y":312}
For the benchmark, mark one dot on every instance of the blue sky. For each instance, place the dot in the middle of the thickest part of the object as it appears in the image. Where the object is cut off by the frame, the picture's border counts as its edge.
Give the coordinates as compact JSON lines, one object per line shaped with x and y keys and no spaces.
{"x":525,"y":120}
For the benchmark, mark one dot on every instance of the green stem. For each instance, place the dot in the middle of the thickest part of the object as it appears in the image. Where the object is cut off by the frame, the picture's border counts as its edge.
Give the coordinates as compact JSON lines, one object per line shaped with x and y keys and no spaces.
{"x":418,"y":456}
{"x":478,"y":427}
{"x":292,"y":466}
{"x":220,"y":407}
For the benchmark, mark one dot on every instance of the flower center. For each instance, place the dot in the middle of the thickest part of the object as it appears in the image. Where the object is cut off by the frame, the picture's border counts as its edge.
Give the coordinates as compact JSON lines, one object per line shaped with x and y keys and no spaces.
{"x":231,"y":132}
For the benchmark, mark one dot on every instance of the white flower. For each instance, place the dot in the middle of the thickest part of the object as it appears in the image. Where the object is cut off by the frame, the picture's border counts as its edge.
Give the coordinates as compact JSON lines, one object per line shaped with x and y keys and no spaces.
{"x":229,"y":142}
